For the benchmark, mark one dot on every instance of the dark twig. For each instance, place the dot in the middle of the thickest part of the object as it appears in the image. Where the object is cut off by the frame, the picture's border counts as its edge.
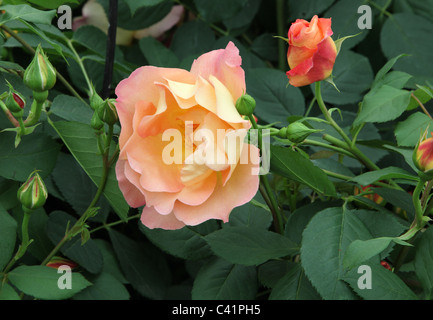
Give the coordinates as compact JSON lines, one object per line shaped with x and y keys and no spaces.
{"x":111,"y":46}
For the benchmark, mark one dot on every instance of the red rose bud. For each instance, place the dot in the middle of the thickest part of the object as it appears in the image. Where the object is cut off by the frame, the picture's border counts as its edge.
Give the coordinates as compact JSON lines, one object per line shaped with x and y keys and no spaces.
{"x":40,"y":75}
{"x":312,"y":52}
{"x":385,"y":265}
{"x":15,"y":102}
{"x":19,"y":100}
{"x":57,"y":262}
{"x":33,"y":193}
{"x":245,"y":105}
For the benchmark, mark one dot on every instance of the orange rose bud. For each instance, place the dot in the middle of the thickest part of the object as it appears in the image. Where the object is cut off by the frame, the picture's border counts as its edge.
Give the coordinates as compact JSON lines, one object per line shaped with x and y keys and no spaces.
{"x":423,"y":154}
{"x":312,"y":51}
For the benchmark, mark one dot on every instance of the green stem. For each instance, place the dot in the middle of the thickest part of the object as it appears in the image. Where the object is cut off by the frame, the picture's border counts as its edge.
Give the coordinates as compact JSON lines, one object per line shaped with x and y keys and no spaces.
{"x":25,"y":232}
{"x":9,"y":115}
{"x":328,"y":146}
{"x":352,"y":148}
{"x":355,"y":135}
{"x":81,"y":65}
{"x":25,"y":242}
{"x":327,"y":115}
{"x":109,"y":225}
{"x":266,"y":189}
{"x":409,"y":238}
{"x":350,"y":145}
{"x":425,"y":195}
{"x":30,"y":48}
{"x":310,"y":107}
{"x":34,"y":114}
{"x":22,"y":126}
{"x":347,"y":178}
{"x":417,"y":203}
{"x":421,"y":105}
{"x":80,"y":223}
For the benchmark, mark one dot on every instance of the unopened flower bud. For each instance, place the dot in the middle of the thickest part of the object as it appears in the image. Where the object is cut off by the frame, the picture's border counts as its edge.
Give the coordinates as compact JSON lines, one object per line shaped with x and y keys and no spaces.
{"x":33,"y":193}
{"x":386,"y":265}
{"x":96,"y":123}
{"x":298,"y":132}
{"x":107,"y":112}
{"x":95,"y":100}
{"x":245,"y":105}
{"x":57,"y":262}
{"x":15,"y":102}
{"x":423,"y":153}
{"x":40,"y":75}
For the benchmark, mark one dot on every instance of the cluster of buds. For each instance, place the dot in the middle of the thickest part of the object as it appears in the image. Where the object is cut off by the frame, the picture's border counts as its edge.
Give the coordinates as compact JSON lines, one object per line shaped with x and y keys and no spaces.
{"x":104,"y":111}
{"x":40,"y":76}
{"x":33,"y":193}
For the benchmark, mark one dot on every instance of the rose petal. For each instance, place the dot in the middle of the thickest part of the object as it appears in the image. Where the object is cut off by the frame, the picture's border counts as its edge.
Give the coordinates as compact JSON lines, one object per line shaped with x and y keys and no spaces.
{"x":317,"y":68}
{"x":133,"y":196}
{"x":140,"y":85}
{"x":197,"y":193}
{"x":298,"y":55}
{"x":224,"y":64}
{"x":145,"y":157}
{"x":241,"y":188}
{"x":152,"y":219}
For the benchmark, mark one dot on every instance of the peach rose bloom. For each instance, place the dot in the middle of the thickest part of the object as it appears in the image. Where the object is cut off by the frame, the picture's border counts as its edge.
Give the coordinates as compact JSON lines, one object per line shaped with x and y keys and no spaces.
{"x":185,"y":116}
{"x":312,"y":51}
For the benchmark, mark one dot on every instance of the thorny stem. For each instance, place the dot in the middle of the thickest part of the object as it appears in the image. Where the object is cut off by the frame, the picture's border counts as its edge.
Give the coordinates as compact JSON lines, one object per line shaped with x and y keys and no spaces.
{"x":349,"y":145}
{"x":115,"y":223}
{"x":80,"y":223}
